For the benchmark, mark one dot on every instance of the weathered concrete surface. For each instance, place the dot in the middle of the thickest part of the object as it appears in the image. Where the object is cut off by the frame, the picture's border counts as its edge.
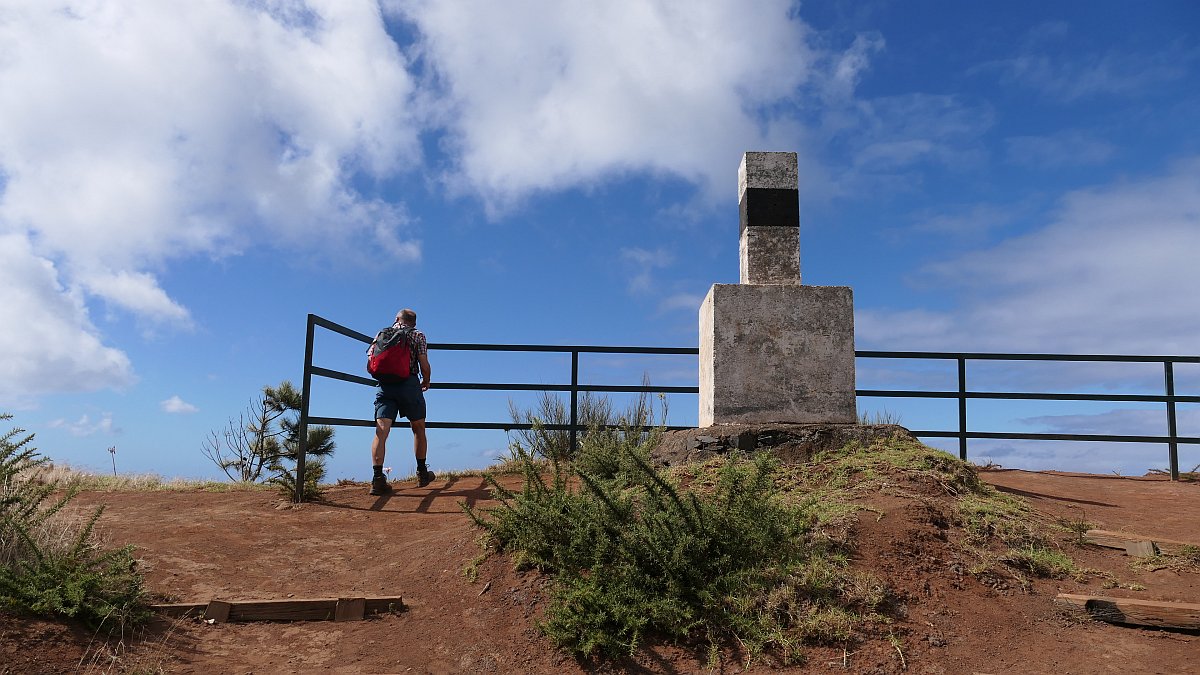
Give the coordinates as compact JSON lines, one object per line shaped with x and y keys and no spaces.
{"x":769,"y":207}
{"x":778,"y":170}
{"x":777,"y":353}
{"x":769,"y":255}
{"x":791,"y":443}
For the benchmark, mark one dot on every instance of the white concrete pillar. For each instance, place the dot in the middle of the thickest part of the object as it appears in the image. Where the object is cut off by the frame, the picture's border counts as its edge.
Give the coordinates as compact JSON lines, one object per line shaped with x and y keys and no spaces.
{"x":772,"y":350}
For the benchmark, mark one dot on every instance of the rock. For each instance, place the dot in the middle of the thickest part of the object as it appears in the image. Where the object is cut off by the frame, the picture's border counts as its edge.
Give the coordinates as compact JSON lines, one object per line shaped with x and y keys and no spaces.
{"x":791,"y":443}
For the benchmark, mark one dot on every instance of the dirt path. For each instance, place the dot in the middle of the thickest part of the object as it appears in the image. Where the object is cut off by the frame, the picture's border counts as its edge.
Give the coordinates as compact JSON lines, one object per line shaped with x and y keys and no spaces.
{"x":417,"y":543}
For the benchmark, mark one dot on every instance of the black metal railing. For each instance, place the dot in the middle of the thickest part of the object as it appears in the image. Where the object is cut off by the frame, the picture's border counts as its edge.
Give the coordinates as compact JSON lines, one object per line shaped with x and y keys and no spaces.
{"x":961,"y":394}
{"x":574,"y":388}
{"x":1172,"y":439}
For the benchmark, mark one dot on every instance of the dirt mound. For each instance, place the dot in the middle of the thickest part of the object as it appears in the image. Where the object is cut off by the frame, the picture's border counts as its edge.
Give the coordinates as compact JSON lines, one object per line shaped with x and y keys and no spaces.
{"x":467,"y":614}
{"x":791,"y":443}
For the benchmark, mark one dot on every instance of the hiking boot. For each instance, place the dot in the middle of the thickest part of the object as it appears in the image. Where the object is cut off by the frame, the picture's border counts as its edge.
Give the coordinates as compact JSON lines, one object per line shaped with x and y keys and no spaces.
{"x":425,"y":478}
{"x":380,"y":486}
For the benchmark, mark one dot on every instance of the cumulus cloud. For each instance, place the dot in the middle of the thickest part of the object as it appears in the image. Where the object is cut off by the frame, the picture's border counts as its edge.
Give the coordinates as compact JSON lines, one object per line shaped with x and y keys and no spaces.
{"x":48,"y":343}
{"x":1112,"y":271}
{"x":137,"y":133}
{"x":538,"y":95}
{"x":177,"y":406}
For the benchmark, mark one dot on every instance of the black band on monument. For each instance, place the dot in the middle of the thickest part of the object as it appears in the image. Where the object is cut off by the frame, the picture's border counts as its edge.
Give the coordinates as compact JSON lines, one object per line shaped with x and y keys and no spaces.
{"x":773,"y":207}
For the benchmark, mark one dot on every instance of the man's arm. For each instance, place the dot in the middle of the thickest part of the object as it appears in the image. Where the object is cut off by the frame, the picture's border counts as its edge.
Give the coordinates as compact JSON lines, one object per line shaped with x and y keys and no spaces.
{"x":423,"y":360}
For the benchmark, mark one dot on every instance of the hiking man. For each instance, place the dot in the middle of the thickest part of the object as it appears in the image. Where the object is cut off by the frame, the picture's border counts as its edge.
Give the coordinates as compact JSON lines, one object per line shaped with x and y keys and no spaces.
{"x":398,"y":358}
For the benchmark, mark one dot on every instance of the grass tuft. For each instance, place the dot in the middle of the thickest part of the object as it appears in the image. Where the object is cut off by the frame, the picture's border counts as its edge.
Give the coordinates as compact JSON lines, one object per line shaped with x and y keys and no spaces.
{"x":68,"y":477}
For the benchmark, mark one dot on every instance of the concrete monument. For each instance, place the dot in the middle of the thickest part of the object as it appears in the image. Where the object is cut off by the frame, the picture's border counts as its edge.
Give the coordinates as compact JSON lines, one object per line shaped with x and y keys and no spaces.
{"x":773,"y":350}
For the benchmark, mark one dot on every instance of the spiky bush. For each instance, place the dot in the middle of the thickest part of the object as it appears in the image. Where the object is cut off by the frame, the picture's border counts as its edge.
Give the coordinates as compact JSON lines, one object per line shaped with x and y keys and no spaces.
{"x":50,"y":561}
{"x":635,"y":555}
{"x":594,"y":412}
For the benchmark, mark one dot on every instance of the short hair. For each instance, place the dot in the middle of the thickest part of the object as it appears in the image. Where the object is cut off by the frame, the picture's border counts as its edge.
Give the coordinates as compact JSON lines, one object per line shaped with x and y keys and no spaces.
{"x":407,"y":317}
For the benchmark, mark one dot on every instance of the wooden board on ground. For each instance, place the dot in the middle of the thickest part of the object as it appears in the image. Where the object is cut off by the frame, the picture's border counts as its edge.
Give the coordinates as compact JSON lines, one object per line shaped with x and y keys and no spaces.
{"x":291,"y":609}
{"x":218,"y":610}
{"x":1158,"y":614}
{"x":1122,"y":540}
{"x":349,"y":609}
{"x":181,"y":609}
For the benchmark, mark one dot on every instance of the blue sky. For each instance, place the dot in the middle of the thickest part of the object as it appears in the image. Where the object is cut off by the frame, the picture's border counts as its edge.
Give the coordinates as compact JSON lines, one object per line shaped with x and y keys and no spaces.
{"x":181,"y":183}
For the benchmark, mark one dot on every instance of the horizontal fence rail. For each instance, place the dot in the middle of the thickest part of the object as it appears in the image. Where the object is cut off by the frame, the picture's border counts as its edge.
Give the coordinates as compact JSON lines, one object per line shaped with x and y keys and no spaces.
{"x":961,"y":394}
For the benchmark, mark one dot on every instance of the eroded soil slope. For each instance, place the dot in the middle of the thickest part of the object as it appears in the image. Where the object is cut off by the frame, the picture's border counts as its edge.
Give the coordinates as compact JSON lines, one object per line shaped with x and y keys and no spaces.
{"x":416,"y":543}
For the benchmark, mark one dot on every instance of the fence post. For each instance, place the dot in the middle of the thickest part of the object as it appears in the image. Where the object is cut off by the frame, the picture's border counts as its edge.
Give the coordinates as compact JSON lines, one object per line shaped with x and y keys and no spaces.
{"x":1172,"y":428}
{"x":304,"y":399}
{"x":962,"y":408}
{"x":574,"y":396}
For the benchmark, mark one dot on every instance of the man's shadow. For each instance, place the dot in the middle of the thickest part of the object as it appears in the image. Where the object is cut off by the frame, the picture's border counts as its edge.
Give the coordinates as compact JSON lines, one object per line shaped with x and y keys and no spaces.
{"x":451,"y":489}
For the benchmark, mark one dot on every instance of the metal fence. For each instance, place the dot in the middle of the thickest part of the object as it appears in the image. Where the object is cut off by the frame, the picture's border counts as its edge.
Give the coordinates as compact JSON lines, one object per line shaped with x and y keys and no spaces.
{"x":1172,"y":439}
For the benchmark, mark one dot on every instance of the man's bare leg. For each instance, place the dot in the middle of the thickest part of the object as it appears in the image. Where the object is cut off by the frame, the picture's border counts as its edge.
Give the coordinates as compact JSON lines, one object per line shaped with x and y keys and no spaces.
{"x":379,"y":483}
{"x":420,"y":443}
{"x":383,"y":426}
{"x":420,"y":450}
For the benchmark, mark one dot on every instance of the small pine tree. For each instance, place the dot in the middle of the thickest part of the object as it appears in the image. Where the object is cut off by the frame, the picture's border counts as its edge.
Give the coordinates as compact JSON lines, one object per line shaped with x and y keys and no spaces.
{"x":264,"y":443}
{"x":320,"y":445}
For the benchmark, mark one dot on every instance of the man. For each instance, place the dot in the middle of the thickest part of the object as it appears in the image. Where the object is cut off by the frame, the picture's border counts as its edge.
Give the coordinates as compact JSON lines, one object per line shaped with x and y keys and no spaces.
{"x":400,"y":394}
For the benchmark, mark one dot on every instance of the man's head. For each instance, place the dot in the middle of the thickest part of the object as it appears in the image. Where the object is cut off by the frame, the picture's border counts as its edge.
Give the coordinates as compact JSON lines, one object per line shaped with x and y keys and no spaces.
{"x":407,"y":317}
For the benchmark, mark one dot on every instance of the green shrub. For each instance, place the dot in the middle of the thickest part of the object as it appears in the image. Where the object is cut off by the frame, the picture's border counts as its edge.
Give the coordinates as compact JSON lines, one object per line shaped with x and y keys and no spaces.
{"x":285,"y":480}
{"x":50,"y":563}
{"x":635,"y":555}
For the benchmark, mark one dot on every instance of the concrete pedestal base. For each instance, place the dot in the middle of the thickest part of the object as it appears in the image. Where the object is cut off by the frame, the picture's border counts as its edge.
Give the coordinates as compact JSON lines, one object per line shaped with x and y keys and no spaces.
{"x":777,"y":353}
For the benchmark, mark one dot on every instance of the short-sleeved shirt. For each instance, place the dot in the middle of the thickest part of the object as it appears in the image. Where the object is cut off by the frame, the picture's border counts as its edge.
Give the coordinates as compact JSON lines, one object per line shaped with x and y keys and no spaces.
{"x":417,"y":346}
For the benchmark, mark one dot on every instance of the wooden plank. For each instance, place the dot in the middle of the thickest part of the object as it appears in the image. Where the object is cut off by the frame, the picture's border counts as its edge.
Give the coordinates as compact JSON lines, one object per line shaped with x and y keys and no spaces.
{"x":1141,"y":549}
{"x":349,"y":609}
{"x":290,"y":609}
{"x":177,"y":610}
{"x":1110,"y":539}
{"x":1158,"y":614}
{"x":384,"y":604}
{"x":218,"y":611}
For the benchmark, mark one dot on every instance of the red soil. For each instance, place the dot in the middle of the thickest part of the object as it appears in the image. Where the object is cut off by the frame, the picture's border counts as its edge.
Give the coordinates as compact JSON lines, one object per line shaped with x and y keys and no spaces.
{"x":197,"y":546}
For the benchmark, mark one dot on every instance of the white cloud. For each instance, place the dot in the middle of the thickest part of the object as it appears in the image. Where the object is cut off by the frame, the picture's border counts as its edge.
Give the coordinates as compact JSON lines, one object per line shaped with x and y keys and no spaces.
{"x":1040,"y":65}
{"x":139,"y":293}
{"x":1067,"y":148}
{"x":538,"y":95}
{"x":48,"y":343}
{"x":681,"y":302}
{"x":881,"y":142}
{"x":84,"y":426}
{"x":1125,"y":459}
{"x":642,"y":263}
{"x":1121,"y":421}
{"x":1113,"y":271}
{"x":849,"y":66}
{"x":177,"y":406}
{"x":137,"y":133}
{"x":966,"y":221}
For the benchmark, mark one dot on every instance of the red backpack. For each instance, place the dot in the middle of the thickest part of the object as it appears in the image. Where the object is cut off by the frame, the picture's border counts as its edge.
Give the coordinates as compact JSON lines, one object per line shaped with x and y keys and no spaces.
{"x":390,"y":357}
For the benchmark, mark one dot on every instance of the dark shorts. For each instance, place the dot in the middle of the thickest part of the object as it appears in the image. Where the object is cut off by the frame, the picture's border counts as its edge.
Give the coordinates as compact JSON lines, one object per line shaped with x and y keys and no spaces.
{"x":405,"y":399}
